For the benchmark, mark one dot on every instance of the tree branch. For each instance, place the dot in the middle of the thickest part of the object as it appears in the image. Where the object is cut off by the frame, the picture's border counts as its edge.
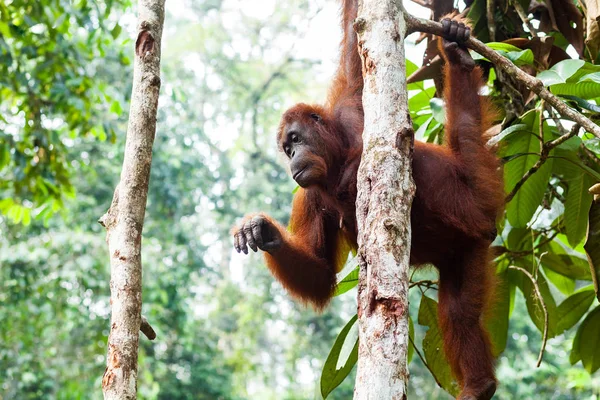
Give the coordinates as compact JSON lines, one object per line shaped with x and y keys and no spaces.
{"x":523,"y":15}
{"x":147,"y":329}
{"x":545,"y":152}
{"x":535,"y":85}
{"x":490,"y":6}
{"x":124,"y":220}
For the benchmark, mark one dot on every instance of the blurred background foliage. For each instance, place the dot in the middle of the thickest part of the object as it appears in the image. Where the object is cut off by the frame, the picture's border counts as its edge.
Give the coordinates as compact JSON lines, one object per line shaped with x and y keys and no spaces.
{"x":226,"y":330}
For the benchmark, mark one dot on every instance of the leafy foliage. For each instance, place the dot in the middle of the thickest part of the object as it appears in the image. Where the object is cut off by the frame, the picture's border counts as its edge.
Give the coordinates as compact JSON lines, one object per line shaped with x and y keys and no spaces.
{"x":54,"y":89}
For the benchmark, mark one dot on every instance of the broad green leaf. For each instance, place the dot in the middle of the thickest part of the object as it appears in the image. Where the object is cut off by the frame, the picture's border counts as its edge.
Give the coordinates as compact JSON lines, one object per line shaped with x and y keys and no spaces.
{"x":564,"y":261}
{"x":496,"y":318}
{"x":349,"y":281}
{"x":586,"y":341}
{"x":115,"y":107}
{"x":522,"y":57}
{"x":567,"y":68}
{"x":534,"y":306}
{"x":339,"y":363}
{"x":420,"y":100}
{"x":593,"y":144}
{"x":519,"y":239}
{"x":410,"y":69}
{"x":513,"y":53}
{"x":116,"y":31}
{"x":574,"y":307}
{"x":577,"y":205}
{"x":592,"y":246}
{"x":584,"y":90}
{"x":528,"y":198}
{"x":507,"y":132}
{"x":500,"y":46}
{"x":563,"y":283}
{"x":420,"y":133}
{"x":433,"y":346}
{"x":438,"y":110}
{"x":549,"y":78}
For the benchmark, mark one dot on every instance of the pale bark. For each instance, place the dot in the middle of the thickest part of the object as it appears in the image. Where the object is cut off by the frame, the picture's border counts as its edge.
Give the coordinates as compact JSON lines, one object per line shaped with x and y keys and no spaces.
{"x":125,"y":218}
{"x":385,"y":193}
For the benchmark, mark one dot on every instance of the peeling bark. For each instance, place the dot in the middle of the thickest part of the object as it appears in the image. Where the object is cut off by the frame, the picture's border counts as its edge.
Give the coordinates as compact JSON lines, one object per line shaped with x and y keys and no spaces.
{"x":385,"y":193}
{"x":125,"y":218}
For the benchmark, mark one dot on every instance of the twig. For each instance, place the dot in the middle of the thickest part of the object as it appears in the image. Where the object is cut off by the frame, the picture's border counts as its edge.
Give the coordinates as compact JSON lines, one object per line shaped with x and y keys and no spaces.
{"x":546,"y":148}
{"x":521,"y":11}
{"x":538,"y":293}
{"x":593,"y":156}
{"x":423,"y":361}
{"x":491,"y":4}
{"x":147,"y":329}
{"x":522,"y":253}
{"x":535,"y":85}
{"x":429,"y":284}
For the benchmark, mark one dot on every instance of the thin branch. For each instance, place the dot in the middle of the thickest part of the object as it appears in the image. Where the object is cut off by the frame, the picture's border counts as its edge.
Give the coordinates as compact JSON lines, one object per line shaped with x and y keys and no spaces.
{"x":544,"y":155}
{"x":147,"y":329}
{"x":491,"y":5}
{"x":535,"y":85}
{"x":423,"y":361}
{"x":522,"y":253}
{"x":538,"y":293}
{"x":429,"y":284}
{"x":592,"y":156}
{"x":523,"y":15}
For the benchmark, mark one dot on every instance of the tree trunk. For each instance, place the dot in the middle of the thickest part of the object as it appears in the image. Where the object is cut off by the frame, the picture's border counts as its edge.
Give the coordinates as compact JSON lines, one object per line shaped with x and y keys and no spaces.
{"x":125,"y":218}
{"x":385,"y":193}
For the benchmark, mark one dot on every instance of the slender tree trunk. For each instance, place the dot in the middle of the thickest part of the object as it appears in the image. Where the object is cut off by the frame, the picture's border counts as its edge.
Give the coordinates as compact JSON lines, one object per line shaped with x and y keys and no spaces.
{"x":125,"y":218}
{"x":385,"y":193}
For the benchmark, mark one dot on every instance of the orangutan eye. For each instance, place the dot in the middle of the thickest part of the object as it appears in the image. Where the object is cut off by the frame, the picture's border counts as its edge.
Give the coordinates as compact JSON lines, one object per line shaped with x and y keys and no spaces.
{"x":316,"y":117}
{"x":295,"y":139}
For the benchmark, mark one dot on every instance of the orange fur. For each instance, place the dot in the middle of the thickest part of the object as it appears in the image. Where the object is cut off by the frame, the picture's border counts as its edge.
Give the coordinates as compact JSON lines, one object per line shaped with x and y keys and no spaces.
{"x":458,"y":197}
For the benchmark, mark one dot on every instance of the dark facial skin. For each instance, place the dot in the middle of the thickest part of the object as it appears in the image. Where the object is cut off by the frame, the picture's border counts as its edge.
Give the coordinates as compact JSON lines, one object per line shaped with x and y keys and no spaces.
{"x":302,"y":145}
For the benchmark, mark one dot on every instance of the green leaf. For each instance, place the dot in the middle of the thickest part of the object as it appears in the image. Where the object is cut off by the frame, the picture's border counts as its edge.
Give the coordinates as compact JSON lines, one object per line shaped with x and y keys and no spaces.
{"x":567,"y":68}
{"x":348,"y":282}
{"x":420,"y":133}
{"x":501,"y":46}
{"x":115,"y":107}
{"x":116,"y":31}
{"x":564,"y":261}
{"x":519,"y":239}
{"x":433,"y":346}
{"x":522,"y":57}
{"x":574,"y":307}
{"x":497,"y":317}
{"x":563,"y":283}
{"x":534,"y":306}
{"x":592,"y":246}
{"x":584,"y":90}
{"x":578,"y":201}
{"x":438,"y":110}
{"x":507,"y":132}
{"x":528,"y":198}
{"x":340,"y":361}
{"x":586,"y":342}
{"x":549,"y":78}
